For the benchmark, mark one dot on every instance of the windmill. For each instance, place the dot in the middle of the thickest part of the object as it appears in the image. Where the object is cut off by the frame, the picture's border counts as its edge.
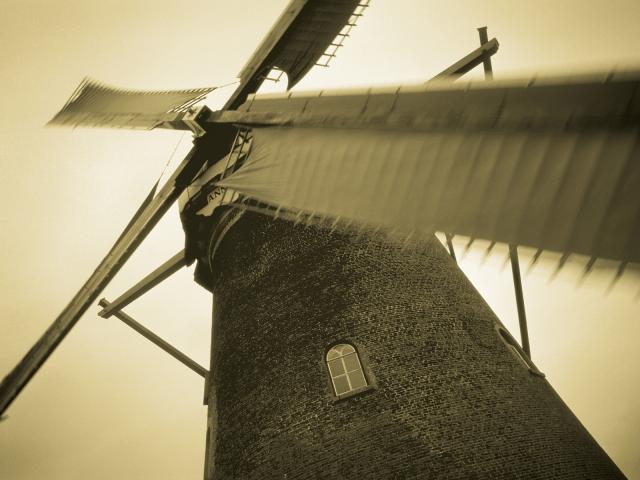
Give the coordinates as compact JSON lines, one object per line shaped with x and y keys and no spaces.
{"x":283,"y":212}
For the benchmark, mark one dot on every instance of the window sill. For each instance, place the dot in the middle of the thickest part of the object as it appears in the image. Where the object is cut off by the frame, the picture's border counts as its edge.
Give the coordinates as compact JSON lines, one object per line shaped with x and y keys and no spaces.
{"x":354,"y":393}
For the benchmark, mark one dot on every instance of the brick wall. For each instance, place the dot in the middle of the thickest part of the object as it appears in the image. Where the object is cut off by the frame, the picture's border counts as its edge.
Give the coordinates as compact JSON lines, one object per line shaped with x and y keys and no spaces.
{"x":450,"y":399}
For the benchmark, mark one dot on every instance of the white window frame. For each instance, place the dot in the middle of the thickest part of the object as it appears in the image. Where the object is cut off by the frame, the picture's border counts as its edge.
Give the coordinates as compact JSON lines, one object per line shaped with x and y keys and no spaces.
{"x":341,"y":351}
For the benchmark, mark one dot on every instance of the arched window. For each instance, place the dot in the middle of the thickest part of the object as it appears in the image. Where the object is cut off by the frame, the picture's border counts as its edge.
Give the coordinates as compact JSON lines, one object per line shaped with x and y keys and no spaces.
{"x":345,"y":369}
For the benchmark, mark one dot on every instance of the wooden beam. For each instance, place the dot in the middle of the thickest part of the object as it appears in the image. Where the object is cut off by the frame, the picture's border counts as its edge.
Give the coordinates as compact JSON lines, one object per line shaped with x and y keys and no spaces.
{"x":479,"y":55}
{"x":153,"y":338}
{"x":205,"y":148}
{"x":513,"y":249}
{"x":160,"y":274}
{"x":269,"y":42}
{"x":486,"y":61}
{"x":517,"y":284}
{"x":250,"y":79}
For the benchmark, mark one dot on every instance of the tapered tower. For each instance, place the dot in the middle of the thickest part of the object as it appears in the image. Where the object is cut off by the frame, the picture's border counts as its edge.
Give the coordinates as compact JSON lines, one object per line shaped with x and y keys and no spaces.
{"x":302,"y":315}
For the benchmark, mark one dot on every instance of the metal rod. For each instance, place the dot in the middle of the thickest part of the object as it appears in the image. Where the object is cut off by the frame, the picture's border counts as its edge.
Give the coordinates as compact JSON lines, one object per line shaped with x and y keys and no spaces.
{"x":160,"y":274}
{"x":452,"y":252}
{"x":517,"y":285}
{"x":152,"y":337}
{"x":488,"y":69}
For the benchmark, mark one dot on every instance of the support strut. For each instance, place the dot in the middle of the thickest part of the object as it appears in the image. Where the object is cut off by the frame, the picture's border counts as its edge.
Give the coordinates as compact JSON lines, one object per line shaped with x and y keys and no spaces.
{"x":486,"y":61}
{"x":161,"y":273}
{"x":517,"y":285}
{"x":152,"y":337}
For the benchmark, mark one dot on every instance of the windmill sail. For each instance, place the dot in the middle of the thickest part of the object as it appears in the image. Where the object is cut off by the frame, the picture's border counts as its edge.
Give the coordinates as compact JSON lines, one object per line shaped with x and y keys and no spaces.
{"x":299,"y":39}
{"x":152,"y":209}
{"x":97,"y":105}
{"x":551,"y":165}
{"x":307,"y":32}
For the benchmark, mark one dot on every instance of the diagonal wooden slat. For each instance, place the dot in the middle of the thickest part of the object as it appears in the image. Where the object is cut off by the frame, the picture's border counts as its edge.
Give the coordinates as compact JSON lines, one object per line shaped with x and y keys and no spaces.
{"x":479,"y":209}
{"x":498,"y":186}
{"x":614,"y":235}
{"x":572,"y":192}
{"x":521,"y":185}
{"x":447,"y":207}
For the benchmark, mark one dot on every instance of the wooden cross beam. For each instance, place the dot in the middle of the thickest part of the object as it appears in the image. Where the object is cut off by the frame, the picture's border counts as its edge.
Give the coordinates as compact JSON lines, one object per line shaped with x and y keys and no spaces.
{"x":161,"y":273}
{"x":479,"y":55}
{"x":153,"y":338}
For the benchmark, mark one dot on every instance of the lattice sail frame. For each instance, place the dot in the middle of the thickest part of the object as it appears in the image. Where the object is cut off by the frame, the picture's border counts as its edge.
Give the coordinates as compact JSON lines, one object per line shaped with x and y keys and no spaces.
{"x":94,"y":104}
{"x":332,"y":50}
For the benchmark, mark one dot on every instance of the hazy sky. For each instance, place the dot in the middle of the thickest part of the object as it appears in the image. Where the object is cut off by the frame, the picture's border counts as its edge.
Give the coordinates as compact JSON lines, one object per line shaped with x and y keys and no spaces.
{"x":109,"y":404}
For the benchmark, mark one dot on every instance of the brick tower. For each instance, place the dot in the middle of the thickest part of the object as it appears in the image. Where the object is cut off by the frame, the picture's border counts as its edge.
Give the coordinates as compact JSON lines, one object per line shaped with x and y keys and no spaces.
{"x":345,"y":356}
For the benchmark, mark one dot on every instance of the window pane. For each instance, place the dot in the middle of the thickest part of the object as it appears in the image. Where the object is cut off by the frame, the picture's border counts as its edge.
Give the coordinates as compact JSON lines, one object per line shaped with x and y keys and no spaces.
{"x":333,"y":353}
{"x":357,"y":379}
{"x":335,"y":367}
{"x":351,"y":362}
{"x":341,"y":384}
{"x":346,"y":349}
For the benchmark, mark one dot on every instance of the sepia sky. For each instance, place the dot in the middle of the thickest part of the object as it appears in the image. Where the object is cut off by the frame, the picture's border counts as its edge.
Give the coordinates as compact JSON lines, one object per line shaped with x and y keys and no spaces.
{"x":108,"y":404}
